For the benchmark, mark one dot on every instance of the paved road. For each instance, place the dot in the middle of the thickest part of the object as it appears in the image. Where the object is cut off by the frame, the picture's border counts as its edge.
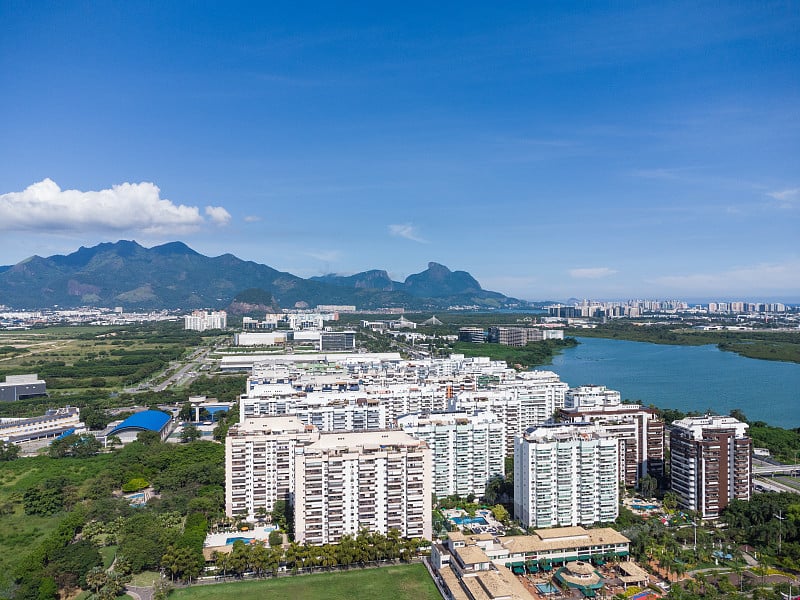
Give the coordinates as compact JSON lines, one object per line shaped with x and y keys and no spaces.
{"x":774,"y":486}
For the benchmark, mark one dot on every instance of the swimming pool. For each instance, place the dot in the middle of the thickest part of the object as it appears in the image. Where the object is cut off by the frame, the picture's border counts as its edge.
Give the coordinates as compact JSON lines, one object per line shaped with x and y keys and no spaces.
{"x":546,"y":588}
{"x":231,"y":540}
{"x":469,"y":521}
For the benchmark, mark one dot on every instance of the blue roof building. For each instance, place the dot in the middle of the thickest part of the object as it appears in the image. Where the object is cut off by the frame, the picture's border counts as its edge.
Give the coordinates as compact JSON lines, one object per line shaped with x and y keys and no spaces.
{"x":148,"y":420}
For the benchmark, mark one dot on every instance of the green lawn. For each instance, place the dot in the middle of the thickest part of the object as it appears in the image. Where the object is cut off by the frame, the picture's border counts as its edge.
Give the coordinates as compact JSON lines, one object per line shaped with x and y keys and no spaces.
{"x":411,"y":582}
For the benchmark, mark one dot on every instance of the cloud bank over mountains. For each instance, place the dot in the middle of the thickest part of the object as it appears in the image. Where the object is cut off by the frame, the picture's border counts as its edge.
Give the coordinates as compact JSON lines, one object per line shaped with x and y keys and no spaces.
{"x":44,"y":206}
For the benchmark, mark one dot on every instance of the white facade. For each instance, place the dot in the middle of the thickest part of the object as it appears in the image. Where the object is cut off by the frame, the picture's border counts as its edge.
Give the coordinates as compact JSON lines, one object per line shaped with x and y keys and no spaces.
{"x":259,"y":463}
{"x":468,"y":450}
{"x":565,"y":475}
{"x":375,"y":480}
{"x":253,"y":338}
{"x":53,"y":423}
{"x":201,"y":320}
{"x":530,"y":399}
{"x":591,"y":396}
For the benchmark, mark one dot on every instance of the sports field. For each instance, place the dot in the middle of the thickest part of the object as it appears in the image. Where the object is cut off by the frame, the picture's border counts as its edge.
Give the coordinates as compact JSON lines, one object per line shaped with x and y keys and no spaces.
{"x":405,"y":582}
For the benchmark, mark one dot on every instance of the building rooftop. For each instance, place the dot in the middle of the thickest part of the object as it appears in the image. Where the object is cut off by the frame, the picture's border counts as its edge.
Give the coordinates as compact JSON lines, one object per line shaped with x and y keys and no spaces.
{"x":496,"y":584}
{"x":150,"y":420}
{"x":471,"y":555}
{"x":562,"y":538}
{"x":367,"y":440}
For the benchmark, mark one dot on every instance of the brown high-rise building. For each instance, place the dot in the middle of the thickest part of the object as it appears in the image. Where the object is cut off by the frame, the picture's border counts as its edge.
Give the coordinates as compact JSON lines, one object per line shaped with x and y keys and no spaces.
{"x":710,"y":459}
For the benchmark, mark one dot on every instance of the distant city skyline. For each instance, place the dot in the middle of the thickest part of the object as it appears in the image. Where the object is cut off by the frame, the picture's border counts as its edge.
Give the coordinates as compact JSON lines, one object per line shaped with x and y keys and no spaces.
{"x":552,"y":151}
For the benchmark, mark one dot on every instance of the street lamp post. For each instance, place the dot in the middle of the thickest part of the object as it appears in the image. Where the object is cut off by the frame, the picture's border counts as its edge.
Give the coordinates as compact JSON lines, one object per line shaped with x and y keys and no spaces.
{"x":780,"y":518}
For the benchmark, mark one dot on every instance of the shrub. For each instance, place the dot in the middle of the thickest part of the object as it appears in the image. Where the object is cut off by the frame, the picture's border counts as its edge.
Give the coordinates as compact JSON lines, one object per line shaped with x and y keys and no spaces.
{"x":135,"y":484}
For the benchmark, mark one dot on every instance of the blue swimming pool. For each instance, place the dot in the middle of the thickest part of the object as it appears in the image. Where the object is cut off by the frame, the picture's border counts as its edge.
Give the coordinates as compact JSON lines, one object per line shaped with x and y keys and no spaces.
{"x":230,"y":540}
{"x":546,"y":588}
{"x":469,"y":521}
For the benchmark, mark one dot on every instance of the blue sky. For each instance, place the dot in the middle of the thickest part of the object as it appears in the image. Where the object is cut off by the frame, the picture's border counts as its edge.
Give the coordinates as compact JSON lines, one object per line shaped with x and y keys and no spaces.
{"x":551,"y":149}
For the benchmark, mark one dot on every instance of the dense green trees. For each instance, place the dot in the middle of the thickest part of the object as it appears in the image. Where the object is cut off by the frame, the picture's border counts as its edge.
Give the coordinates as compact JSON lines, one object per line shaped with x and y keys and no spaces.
{"x":8,"y":451}
{"x":189,"y":433}
{"x":167,"y":533}
{"x":360,"y":550}
{"x":78,"y":446}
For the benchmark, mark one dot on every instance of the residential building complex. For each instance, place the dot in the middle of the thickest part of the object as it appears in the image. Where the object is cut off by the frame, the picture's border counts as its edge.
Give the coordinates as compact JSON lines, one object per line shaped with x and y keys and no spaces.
{"x":525,"y":400}
{"x":710,"y":460}
{"x":259,"y":463}
{"x":468,"y":450}
{"x":369,"y":480}
{"x":201,"y":320}
{"x":566,"y":475}
{"x":639,"y":430}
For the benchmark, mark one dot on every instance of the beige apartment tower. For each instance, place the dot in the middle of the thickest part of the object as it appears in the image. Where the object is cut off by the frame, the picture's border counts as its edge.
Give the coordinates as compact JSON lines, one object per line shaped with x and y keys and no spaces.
{"x":378,"y":481}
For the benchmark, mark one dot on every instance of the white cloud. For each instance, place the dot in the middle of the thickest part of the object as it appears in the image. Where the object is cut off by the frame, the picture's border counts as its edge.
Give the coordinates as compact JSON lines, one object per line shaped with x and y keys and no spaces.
{"x":218,"y":215}
{"x":252,"y":219}
{"x":45,"y":206}
{"x":786,"y":198}
{"x":591,"y":273}
{"x":407,"y":231}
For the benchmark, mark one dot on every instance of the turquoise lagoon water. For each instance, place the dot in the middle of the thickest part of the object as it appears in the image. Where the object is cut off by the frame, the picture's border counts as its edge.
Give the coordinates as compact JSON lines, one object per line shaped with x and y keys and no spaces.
{"x":686,"y":378}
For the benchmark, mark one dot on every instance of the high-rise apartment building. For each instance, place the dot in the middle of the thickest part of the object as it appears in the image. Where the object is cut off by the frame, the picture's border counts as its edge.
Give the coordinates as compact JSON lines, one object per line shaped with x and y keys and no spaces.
{"x":710,"y":460}
{"x":371,"y":480}
{"x":591,"y":396}
{"x":201,"y":320}
{"x":468,"y":450}
{"x":566,"y":475}
{"x":639,"y":430}
{"x":531,"y":398}
{"x":259,"y":463}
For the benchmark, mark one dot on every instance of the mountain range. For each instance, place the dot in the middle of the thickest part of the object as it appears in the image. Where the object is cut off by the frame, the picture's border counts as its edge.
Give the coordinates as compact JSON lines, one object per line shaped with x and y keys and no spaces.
{"x":173,"y":276}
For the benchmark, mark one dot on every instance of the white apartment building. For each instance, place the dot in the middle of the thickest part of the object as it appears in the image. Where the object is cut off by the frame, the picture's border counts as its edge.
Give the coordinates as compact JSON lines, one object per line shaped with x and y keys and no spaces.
{"x":259,"y":463}
{"x":468,"y":450}
{"x":538,"y":335}
{"x":328,"y":411}
{"x":711,"y":463}
{"x":565,"y":475}
{"x":403,"y":399}
{"x":377,"y":481}
{"x":297,"y":320}
{"x":201,"y":320}
{"x":330,"y":416}
{"x":591,"y":396}
{"x":530,"y":399}
{"x":640,"y":431}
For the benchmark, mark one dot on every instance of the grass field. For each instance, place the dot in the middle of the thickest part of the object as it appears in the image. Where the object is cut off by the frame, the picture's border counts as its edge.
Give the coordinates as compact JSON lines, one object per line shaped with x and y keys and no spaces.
{"x":405,"y":582}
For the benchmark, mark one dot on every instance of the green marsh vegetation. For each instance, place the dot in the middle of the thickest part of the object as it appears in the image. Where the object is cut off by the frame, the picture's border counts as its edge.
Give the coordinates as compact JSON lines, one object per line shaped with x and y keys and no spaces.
{"x":763,"y":344}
